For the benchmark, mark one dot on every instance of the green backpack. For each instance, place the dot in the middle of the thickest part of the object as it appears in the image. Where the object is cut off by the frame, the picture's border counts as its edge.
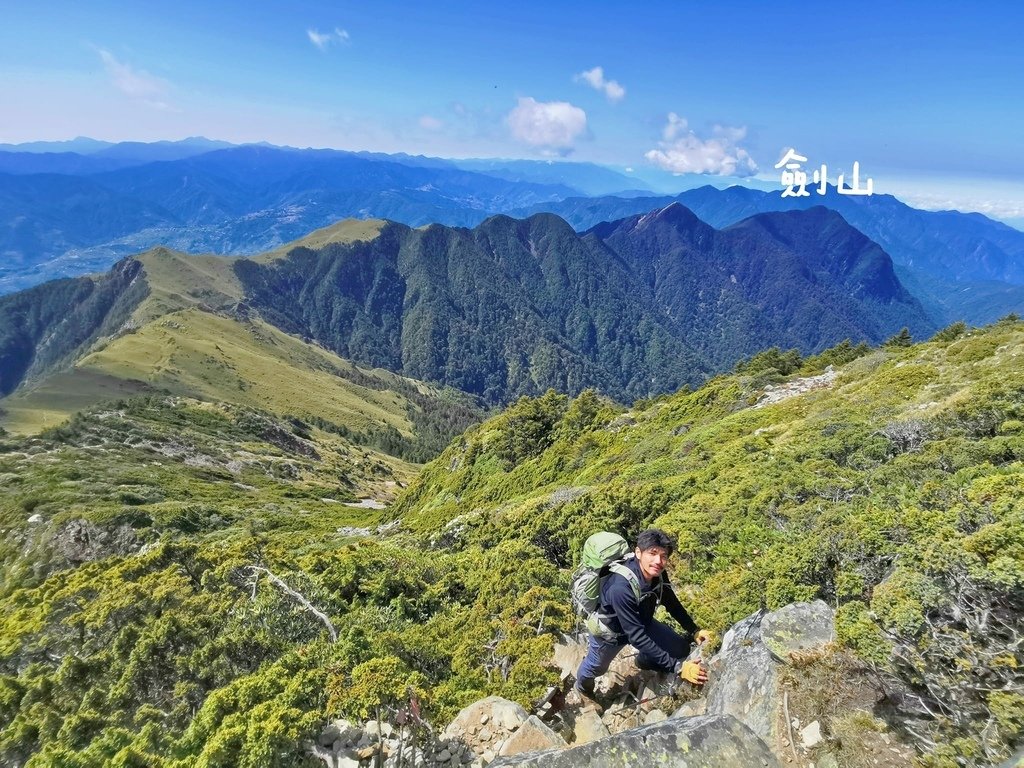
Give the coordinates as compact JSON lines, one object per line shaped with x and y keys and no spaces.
{"x":603,"y":553}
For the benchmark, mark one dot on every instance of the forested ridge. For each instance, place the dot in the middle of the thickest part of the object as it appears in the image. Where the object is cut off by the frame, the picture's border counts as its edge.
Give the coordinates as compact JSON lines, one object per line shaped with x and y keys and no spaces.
{"x":144,"y":621}
{"x":632,"y":308}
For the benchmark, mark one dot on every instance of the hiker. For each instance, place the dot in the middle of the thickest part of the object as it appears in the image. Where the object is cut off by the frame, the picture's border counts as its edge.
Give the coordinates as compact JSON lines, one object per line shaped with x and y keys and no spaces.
{"x":629,"y":594}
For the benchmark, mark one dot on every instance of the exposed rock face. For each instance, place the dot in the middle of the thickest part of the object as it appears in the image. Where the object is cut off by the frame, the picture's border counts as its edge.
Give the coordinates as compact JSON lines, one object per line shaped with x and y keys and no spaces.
{"x":484,"y":725}
{"x":736,"y":722}
{"x":589,"y":727}
{"x":532,"y":736}
{"x":494,"y":711}
{"x":714,"y":741}
{"x":80,"y":541}
{"x":798,"y":627}
{"x":743,"y":679}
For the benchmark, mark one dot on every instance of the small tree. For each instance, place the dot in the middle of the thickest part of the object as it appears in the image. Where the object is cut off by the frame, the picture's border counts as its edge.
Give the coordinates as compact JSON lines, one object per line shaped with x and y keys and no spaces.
{"x":901,"y":339}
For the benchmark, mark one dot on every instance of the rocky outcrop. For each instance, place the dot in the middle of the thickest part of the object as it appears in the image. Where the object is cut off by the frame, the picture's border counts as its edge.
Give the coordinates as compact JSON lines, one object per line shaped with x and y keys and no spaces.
{"x":798,"y":627}
{"x":531,"y":736}
{"x":743,"y":717}
{"x":486,"y":725}
{"x":81,"y":541}
{"x":777,"y":393}
{"x":743,"y":680}
{"x":746,"y":675}
{"x":477,"y":736}
{"x":714,"y":741}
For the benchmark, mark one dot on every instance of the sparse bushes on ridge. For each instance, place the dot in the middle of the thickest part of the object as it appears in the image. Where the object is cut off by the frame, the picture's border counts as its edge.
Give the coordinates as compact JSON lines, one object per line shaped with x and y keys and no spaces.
{"x":895,"y":495}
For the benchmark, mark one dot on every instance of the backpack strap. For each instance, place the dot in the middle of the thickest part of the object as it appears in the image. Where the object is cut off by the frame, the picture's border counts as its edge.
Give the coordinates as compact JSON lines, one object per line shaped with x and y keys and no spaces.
{"x":626,"y":572}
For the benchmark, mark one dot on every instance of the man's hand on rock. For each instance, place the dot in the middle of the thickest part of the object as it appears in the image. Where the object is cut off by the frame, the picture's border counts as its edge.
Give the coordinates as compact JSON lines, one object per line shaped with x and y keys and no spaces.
{"x":705,"y":637}
{"x":693,"y":672}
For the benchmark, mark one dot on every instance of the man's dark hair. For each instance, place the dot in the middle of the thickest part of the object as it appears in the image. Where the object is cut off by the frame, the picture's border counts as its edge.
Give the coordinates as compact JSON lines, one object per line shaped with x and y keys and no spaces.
{"x":655,"y":537}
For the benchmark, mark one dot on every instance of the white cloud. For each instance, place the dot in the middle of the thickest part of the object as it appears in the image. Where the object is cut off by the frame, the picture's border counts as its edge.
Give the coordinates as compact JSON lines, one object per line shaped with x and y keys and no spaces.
{"x":430,"y":123}
{"x":138,"y":84}
{"x":595,"y":79}
{"x":673,"y":127}
{"x":682,"y":151}
{"x":323,"y":40}
{"x":997,"y":209}
{"x":548,"y":125}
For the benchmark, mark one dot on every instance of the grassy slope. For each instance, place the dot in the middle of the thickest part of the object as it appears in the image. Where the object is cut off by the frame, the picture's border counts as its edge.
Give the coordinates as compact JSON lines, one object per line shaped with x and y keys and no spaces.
{"x":178,"y":341}
{"x":878,"y":493}
{"x":895,"y":494}
{"x":686,"y":443}
{"x":221,"y":359}
{"x":345,"y":231}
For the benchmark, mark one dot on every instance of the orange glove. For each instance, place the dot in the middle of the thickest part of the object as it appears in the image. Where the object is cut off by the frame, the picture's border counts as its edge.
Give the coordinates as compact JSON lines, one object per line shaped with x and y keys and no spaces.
{"x":693,"y":672}
{"x":705,"y":637}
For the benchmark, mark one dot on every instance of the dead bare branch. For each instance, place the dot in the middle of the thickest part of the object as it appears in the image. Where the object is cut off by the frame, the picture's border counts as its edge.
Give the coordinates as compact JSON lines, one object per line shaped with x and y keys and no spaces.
{"x":254,"y":572}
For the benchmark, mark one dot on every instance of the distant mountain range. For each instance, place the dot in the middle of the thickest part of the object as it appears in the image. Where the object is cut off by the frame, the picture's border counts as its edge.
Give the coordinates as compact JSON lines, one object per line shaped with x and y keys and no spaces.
{"x":69,"y":214}
{"x":635,"y":307}
{"x":963,"y":266}
{"x":70,"y":208}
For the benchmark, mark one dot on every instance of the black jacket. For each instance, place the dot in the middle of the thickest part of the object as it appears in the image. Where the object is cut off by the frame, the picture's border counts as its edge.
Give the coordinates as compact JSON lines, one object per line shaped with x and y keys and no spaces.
{"x":631,"y":619}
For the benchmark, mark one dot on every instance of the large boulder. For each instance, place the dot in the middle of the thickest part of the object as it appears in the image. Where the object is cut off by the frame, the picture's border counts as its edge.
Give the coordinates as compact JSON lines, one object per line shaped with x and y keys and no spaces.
{"x":743,"y":679}
{"x":588,"y":727}
{"x":493,"y":712}
{"x":798,"y":627}
{"x":713,"y":741}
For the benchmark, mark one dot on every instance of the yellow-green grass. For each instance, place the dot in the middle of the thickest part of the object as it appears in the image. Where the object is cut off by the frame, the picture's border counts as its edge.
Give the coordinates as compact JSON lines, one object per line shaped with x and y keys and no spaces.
{"x":344,"y":231}
{"x":60,"y":395}
{"x":182,"y":345}
{"x":212,"y":357}
{"x":178,"y":281}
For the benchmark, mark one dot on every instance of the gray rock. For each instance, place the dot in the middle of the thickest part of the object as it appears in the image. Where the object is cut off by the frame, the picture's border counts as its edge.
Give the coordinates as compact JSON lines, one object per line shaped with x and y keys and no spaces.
{"x":743,"y":632}
{"x":568,"y":656}
{"x":798,"y":627}
{"x":329,"y":735}
{"x":654,"y":716}
{"x":80,"y":541}
{"x":811,"y":735}
{"x":692,"y":742}
{"x":348,"y":732}
{"x":743,"y":680}
{"x":692,"y":708}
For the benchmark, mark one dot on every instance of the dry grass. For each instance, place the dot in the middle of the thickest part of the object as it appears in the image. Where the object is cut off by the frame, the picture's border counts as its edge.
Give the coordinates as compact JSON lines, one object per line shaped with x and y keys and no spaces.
{"x":345,"y":231}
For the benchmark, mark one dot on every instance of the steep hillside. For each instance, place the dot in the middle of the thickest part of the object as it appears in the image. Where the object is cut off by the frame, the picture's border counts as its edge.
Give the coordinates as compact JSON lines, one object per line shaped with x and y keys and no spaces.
{"x":48,"y":327}
{"x":180,"y":327}
{"x":803,"y":280}
{"x":515,"y":307}
{"x":890,"y":487}
{"x":962,"y":266}
{"x":633,"y":308}
{"x":218,"y":617}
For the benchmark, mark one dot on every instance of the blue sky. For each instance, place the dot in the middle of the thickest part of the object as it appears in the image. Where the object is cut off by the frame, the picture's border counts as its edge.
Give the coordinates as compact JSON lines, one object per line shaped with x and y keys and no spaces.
{"x":928,"y":97}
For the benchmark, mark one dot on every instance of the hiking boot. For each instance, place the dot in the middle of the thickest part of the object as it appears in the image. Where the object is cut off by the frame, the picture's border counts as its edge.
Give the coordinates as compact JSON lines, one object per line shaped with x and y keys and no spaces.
{"x":577,"y":697}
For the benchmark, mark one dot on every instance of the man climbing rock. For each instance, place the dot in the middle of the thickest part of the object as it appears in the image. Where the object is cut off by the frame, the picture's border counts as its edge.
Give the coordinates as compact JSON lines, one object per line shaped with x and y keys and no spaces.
{"x":629,"y":594}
